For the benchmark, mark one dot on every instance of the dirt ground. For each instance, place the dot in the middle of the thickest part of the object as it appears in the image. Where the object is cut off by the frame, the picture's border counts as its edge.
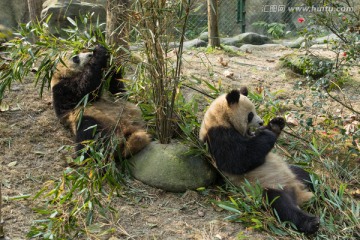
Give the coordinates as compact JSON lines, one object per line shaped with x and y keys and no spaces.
{"x":30,"y":136}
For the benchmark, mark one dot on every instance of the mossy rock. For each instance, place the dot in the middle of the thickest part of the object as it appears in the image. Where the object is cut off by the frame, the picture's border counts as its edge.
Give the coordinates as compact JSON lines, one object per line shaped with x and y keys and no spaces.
{"x":169,"y":167}
{"x":315,"y":67}
{"x":5,"y":34}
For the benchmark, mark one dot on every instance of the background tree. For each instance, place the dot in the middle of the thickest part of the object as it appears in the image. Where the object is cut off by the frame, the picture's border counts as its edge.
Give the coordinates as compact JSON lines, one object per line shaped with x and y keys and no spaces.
{"x":35,"y":7}
{"x":116,"y":23}
{"x":214,"y":40}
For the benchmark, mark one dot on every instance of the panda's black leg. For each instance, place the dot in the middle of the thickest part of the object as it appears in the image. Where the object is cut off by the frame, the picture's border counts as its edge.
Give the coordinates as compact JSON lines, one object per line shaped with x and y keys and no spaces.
{"x":86,"y":131}
{"x":303,"y":176}
{"x":116,"y":84}
{"x":287,"y":210}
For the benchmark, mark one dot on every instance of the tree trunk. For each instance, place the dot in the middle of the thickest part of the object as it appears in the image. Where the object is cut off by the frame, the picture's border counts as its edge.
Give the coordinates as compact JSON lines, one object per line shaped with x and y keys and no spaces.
{"x":35,"y":7}
{"x":214,"y":40}
{"x":117,"y":23}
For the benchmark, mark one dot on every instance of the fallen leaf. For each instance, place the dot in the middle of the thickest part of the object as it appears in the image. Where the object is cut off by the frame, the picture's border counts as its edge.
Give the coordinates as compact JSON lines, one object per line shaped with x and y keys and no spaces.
{"x":12,"y":164}
{"x":223,"y":62}
{"x":201,"y":213}
{"x":4,"y":107}
{"x":228,"y":74}
{"x":291,"y":120}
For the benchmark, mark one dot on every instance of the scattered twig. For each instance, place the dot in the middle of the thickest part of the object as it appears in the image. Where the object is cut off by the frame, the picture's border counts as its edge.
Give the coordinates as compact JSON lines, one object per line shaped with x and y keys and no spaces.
{"x":199,"y":91}
{"x":295,"y":136}
{"x":343,"y":104}
{"x":248,"y":64}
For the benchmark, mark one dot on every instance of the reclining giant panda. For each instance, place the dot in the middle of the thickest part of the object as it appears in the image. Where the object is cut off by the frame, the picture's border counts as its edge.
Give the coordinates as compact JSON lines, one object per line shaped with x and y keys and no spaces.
{"x":82,"y":74}
{"x":240,"y":155}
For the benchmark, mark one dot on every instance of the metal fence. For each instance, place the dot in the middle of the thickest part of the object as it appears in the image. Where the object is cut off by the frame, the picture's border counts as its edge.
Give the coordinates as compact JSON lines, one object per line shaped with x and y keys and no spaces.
{"x":238,"y":16}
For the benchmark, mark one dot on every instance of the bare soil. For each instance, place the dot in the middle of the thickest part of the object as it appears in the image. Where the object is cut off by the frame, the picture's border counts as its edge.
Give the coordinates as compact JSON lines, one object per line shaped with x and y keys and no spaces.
{"x":30,"y":136}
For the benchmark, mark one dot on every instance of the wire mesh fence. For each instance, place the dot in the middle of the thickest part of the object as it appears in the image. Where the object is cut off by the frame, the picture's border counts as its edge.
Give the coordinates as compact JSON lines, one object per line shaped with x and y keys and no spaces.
{"x":238,"y":16}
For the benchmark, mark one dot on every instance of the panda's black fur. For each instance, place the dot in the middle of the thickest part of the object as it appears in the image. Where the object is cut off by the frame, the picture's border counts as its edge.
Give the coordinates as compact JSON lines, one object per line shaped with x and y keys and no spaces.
{"x":242,"y":155}
{"x":82,"y":74}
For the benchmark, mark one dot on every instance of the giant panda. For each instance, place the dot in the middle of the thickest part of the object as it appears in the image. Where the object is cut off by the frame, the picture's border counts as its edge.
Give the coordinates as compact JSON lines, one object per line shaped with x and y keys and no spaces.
{"x":240,"y":154}
{"x":82,"y":74}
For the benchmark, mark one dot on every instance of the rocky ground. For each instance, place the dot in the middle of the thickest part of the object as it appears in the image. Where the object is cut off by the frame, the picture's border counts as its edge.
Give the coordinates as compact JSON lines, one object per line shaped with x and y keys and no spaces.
{"x":31,"y":136}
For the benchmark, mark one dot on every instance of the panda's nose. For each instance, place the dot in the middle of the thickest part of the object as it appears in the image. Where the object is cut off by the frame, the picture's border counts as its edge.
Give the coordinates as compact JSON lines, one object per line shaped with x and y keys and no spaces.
{"x":90,"y":55}
{"x":261,"y":123}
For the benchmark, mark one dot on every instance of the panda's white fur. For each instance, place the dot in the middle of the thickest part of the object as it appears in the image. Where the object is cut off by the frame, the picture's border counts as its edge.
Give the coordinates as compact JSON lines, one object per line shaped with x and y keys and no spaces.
{"x":221,"y":114}
{"x":276,"y":174}
{"x":228,"y":119}
{"x":72,"y":65}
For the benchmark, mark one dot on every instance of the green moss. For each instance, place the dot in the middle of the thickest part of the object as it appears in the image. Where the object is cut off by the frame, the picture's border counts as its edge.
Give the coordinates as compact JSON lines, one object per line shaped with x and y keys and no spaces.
{"x":315,"y":67}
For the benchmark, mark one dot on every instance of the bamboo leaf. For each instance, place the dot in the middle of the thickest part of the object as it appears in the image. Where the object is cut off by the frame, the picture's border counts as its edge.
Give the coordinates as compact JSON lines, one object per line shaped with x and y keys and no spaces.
{"x":72,"y":21}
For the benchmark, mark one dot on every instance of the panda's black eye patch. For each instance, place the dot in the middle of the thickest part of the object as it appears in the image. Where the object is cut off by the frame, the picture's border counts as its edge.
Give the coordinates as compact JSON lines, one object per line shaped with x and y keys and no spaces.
{"x":76,"y":59}
{"x":250,"y":117}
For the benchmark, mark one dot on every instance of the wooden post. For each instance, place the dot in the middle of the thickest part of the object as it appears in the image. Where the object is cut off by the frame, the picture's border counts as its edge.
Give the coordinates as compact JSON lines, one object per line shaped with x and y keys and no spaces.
{"x":214,"y":39}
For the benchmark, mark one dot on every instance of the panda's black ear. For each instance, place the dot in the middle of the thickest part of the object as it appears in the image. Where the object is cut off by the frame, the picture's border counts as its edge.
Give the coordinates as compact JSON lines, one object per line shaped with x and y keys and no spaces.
{"x":244,"y":91}
{"x":233,"y":97}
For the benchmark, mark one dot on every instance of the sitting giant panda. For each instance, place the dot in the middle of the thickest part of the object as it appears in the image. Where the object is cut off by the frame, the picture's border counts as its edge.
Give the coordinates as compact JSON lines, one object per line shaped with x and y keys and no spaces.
{"x":240,"y":155}
{"x":80,"y":75}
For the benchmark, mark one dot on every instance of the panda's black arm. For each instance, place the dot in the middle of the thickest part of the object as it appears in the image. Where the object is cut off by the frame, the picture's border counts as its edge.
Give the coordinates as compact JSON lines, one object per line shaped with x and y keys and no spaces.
{"x":237,"y":154}
{"x":70,"y":91}
{"x":89,"y":81}
{"x":100,"y":57}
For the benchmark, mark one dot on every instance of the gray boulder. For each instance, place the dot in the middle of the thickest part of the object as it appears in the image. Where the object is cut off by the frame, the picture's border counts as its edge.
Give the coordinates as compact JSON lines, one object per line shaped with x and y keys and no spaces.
{"x":232,"y":48}
{"x":327,"y":39}
{"x":12,"y":12}
{"x":300,"y":42}
{"x":294,"y":44}
{"x":61,"y":9}
{"x":246,"y":38}
{"x":195,"y":43}
{"x":231,"y":41}
{"x":264,"y":47}
{"x":168,"y":167}
{"x":204,"y":36}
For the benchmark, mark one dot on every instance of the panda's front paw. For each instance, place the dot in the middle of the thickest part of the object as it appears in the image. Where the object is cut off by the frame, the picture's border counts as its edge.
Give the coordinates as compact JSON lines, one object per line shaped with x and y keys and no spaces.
{"x":100,"y":50}
{"x":276,"y":125}
{"x":310,"y":225}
